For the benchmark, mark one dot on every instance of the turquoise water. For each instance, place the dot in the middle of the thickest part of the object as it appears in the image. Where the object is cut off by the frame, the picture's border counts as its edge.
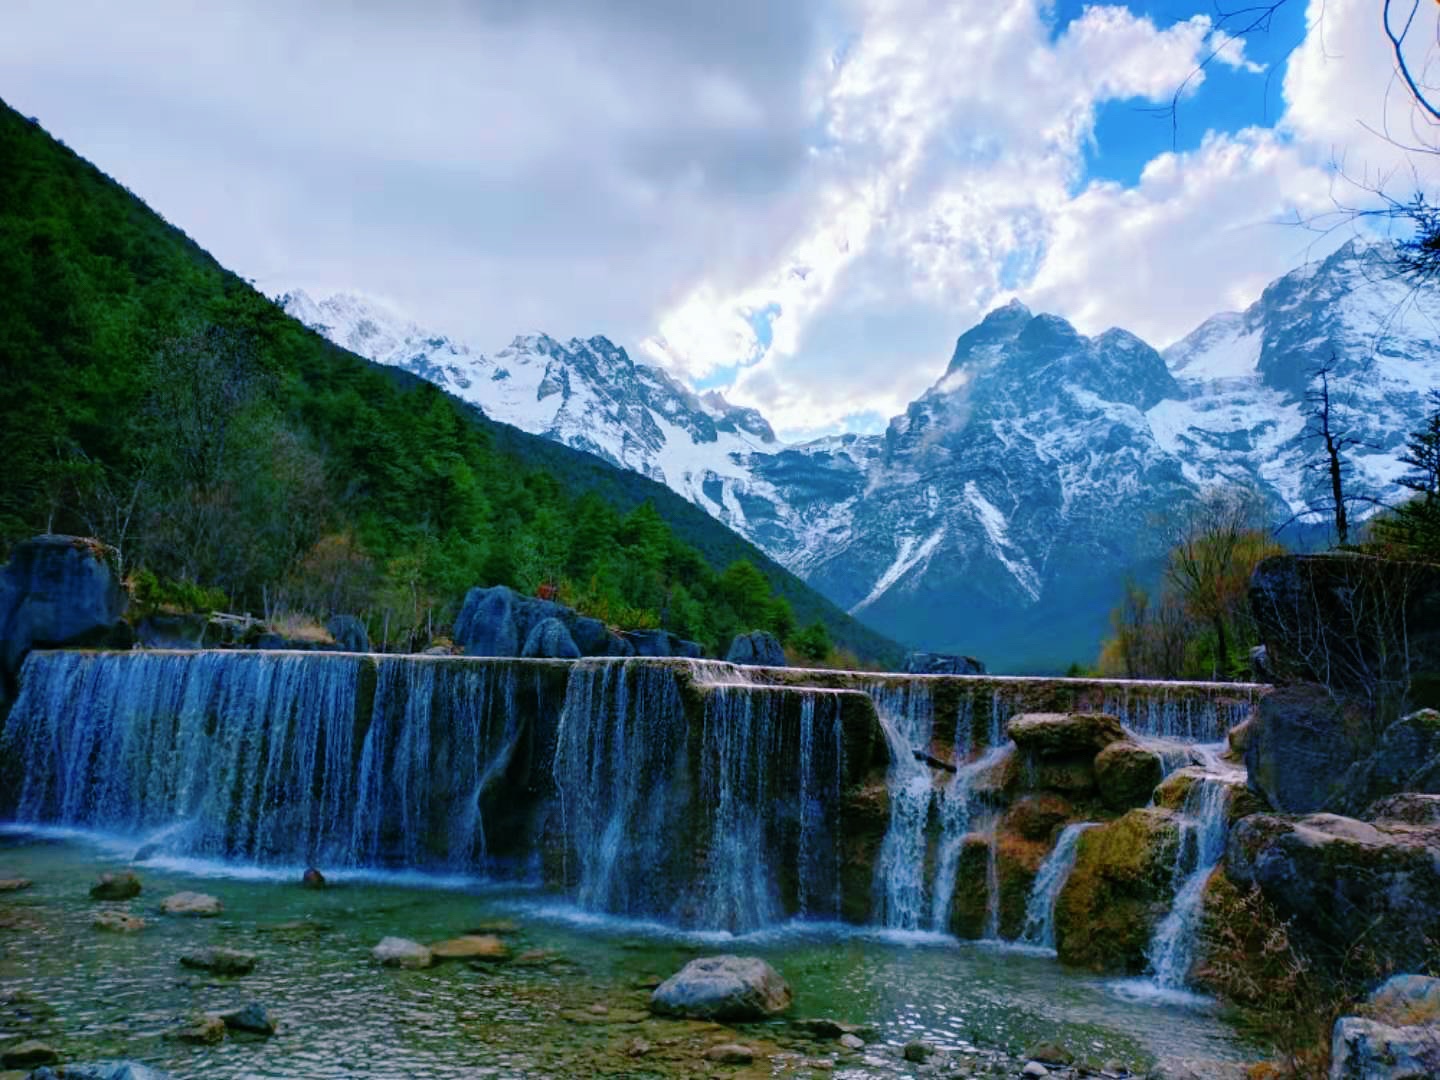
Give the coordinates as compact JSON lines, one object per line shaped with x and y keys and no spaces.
{"x":570,"y":1003}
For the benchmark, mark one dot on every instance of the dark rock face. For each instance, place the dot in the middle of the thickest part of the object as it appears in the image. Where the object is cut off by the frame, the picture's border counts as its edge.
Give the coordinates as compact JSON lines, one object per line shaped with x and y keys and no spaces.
{"x":500,"y":622}
{"x":662,"y":643}
{"x":162,"y":631}
{"x":1308,"y":750}
{"x":1346,"y":881}
{"x":349,"y":633}
{"x":757,"y":648}
{"x":924,"y":663}
{"x":723,"y":988}
{"x":549,"y":638}
{"x":58,"y":591}
{"x":1127,"y":774}
{"x":1365,"y":628}
{"x":1301,"y":744}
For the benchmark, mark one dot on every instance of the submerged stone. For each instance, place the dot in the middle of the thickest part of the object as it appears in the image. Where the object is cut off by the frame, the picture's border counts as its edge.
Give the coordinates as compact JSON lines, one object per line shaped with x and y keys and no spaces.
{"x":312,"y":879}
{"x":203,"y":1029}
{"x":122,"y":886}
{"x":14,"y":884}
{"x":221,"y":961}
{"x":723,"y":988}
{"x":199,"y":905}
{"x":470,"y":947}
{"x":28,"y":1054}
{"x":402,"y":953}
{"x":99,"y":1070}
{"x":118,"y":922}
{"x":253,"y":1018}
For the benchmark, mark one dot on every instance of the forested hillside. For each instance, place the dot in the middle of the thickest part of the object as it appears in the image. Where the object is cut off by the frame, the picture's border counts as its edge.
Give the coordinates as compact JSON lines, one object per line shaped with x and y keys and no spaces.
{"x":157,"y":401}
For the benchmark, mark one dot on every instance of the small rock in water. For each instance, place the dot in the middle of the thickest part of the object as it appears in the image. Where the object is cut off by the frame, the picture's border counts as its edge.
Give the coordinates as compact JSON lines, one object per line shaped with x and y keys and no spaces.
{"x":471,"y":947}
{"x":403,"y":953}
{"x":917,"y":1051}
{"x":122,"y":886}
{"x":201,"y":905}
{"x":1115,"y":1068}
{"x":253,"y":1018}
{"x":14,"y":884}
{"x":852,"y":1042}
{"x":202,"y":1029}
{"x":826,"y":1028}
{"x":117,"y":922}
{"x":730,"y":1054}
{"x":28,"y":1054}
{"x":495,"y":926}
{"x":220,"y":961}
{"x":723,"y":988}
{"x":1034,"y":1068}
{"x":1049,"y":1054}
{"x":312,"y":879}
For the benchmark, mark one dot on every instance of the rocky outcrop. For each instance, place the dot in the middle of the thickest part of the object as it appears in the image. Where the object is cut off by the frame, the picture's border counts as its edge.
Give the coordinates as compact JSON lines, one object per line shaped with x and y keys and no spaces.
{"x":927,"y":663}
{"x":58,"y":591}
{"x":732,"y":988}
{"x":757,"y":648}
{"x":1367,"y":628}
{"x":1396,"y":1035}
{"x":500,"y":622}
{"x":1309,"y":750}
{"x":550,"y":639}
{"x":1127,"y":774}
{"x":1350,"y":883}
{"x":1119,"y":889}
{"x":1064,"y":733}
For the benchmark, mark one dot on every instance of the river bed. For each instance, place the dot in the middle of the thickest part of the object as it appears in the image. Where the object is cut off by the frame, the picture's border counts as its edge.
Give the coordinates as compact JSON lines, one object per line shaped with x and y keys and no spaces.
{"x":570,"y":1002}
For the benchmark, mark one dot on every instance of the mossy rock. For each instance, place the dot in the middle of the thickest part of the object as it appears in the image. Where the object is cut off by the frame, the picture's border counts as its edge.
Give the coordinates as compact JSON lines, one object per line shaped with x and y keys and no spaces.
{"x":1017,"y":860}
{"x":1061,"y":734}
{"x":1127,"y":774}
{"x":969,"y":906}
{"x":1072,"y":775}
{"x":1120,"y":888}
{"x":1038,"y":816}
{"x":1176,"y":788}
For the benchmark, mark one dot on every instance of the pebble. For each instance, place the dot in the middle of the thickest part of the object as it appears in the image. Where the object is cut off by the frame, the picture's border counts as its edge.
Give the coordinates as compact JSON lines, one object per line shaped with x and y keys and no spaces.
{"x":852,"y":1042}
{"x":117,"y":922}
{"x":220,"y":961}
{"x":253,"y":1018}
{"x":730,"y":1054}
{"x":200,"y":905}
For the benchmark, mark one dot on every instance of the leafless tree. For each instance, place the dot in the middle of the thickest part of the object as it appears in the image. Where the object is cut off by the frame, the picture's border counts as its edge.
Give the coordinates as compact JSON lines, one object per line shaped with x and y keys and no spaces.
{"x":1330,"y":428}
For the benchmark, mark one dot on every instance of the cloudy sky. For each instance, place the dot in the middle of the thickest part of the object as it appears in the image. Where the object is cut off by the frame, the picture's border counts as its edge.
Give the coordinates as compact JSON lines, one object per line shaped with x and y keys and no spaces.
{"x":801,"y":202}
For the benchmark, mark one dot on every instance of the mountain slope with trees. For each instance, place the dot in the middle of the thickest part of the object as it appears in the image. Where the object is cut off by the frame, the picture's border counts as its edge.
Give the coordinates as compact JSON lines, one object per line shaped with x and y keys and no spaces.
{"x":156,"y":400}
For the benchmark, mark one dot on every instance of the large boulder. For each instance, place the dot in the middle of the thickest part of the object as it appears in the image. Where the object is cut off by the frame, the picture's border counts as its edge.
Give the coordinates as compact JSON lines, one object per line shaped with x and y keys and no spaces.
{"x":1310,"y":750}
{"x":758,"y":648}
{"x":928,"y":663}
{"x":59,"y":591}
{"x":549,"y":638}
{"x":723,"y":988}
{"x":1348,"y":882}
{"x":489,"y":622}
{"x":1396,"y":1035}
{"x":1366,"y":627}
{"x":662,"y":643}
{"x":1055,"y":734}
{"x":349,"y":633}
{"x":1120,"y":887}
{"x":1127,"y":774}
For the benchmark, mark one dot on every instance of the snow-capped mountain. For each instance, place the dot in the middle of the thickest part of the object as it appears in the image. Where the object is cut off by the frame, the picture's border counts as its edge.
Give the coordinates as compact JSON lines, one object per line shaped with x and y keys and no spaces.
{"x":999,"y":514}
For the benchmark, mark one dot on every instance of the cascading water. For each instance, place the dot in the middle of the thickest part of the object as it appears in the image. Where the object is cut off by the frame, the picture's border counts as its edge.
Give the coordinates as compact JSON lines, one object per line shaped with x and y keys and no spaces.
{"x":1049,"y":880}
{"x":265,"y":758}
{"x":761,"y":797}
{"x":956,"y":810}
{"x":1157,"y":712}
{"x":1202,"y":845}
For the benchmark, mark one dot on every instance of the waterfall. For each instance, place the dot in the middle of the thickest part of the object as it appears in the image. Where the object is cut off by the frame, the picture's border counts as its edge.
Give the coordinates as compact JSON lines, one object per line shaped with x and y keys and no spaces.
{"x":730,"y":822}
{"x":1202,"y":846}
{"x":900,"y":868}
{"x":955,"y":813}
{"x":1158,"y":712}
{"x":265,"y":758}
{"x":1054,"y":872}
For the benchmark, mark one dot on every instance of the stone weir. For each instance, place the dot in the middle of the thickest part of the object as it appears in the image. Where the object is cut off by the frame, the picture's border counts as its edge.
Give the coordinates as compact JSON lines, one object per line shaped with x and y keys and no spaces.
{"x":695,"y":793}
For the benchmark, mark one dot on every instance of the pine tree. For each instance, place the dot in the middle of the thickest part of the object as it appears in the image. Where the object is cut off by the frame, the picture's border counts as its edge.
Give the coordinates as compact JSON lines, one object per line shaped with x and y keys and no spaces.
{"x":1415,"y":525}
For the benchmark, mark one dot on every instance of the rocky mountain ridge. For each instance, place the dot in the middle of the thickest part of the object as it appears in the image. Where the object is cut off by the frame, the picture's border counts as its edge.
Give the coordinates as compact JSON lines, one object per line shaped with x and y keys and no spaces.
{"x":999,"y":513}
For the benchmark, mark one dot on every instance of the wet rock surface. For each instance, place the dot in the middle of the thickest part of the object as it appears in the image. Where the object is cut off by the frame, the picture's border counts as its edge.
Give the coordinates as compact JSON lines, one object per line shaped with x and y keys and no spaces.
{"x":219,"y":960}
{"x":195,"y":904}
{"x":723,"y":988}
{"x":116,"y":886}
{"x":1395,"y":1037}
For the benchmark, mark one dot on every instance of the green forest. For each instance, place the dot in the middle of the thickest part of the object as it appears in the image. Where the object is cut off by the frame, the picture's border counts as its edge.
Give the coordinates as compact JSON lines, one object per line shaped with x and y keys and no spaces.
{"x":236,"y":460}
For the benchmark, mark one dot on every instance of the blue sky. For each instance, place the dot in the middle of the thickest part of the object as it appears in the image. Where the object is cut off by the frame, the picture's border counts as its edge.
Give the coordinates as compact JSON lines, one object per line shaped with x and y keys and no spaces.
{"x":1129,"y":134}
{"x":801,"y":204}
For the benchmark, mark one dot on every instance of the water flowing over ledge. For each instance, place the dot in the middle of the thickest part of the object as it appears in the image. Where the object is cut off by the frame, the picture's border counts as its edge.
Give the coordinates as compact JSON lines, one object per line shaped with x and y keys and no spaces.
{"x":693,"y":793}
